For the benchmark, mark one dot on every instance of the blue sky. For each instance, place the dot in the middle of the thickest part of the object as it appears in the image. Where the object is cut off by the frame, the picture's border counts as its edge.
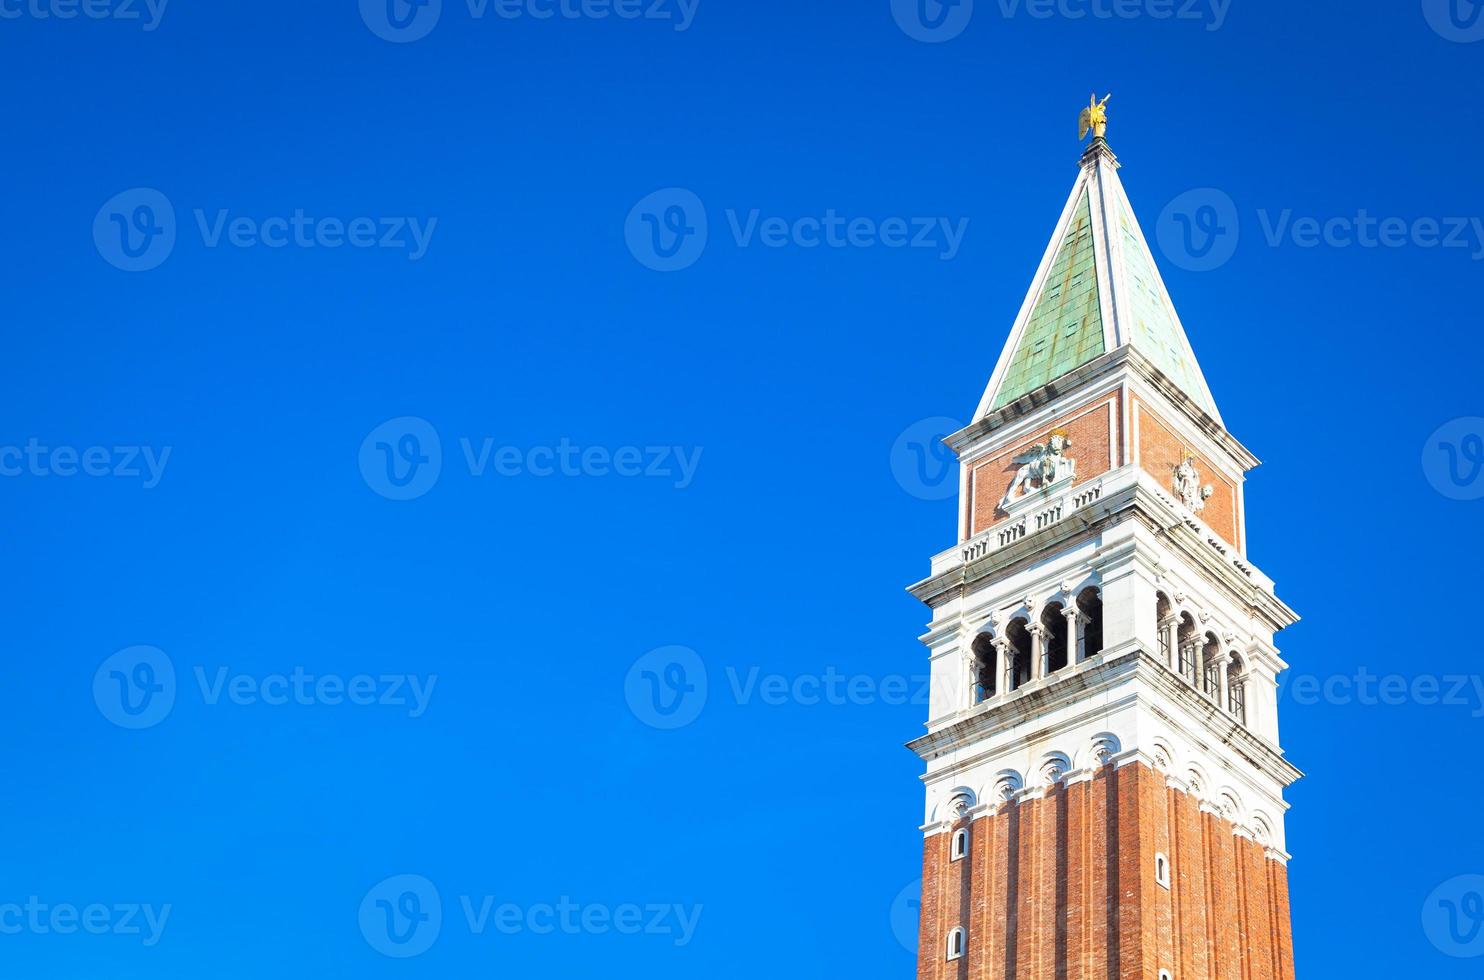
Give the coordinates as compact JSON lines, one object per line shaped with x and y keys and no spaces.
{"x":614,"y":460}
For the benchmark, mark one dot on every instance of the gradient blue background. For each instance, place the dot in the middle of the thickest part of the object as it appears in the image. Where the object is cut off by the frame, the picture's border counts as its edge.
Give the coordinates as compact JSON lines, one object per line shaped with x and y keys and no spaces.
{"x":529,"y":778}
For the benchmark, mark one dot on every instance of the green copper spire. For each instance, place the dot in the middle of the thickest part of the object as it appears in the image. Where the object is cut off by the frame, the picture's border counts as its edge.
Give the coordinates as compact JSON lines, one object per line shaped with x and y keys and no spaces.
{"x":1065,"y":330}
{"x":1097,"y":289}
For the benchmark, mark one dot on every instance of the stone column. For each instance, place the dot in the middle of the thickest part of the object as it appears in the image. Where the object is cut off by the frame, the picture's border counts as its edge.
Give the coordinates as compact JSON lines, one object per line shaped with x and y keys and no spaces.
{"x":1040,"y":651}
{"x":1223,"y":696}
{"x":1190,"y":651}
{"x":1007,"y":666}
{"x":1169,"y":638}
{"x":1076,"y":637}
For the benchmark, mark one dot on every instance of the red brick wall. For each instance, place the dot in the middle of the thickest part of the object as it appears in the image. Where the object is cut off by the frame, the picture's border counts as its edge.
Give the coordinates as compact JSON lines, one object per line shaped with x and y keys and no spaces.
{"x":1092,"y":448}
{"x":1063,"y":888}
{"x":1161,"y":451}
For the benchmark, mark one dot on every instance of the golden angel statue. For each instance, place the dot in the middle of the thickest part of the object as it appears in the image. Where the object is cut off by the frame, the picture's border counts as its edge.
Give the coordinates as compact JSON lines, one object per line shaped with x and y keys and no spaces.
{"x":1094,"y":117}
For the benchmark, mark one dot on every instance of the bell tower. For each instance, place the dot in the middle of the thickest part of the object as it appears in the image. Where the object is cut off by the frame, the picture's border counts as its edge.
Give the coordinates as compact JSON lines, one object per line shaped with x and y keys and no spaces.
{"x":1103,"y":769}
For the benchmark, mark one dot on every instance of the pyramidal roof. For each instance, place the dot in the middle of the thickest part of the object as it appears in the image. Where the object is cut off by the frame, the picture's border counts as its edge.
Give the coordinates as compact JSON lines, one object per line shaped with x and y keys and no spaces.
{"x":1097,"y":289}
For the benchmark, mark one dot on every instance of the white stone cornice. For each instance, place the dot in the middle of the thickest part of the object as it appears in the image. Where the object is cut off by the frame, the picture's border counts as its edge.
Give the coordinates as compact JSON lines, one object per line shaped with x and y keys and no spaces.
{"x":1127,"y":493}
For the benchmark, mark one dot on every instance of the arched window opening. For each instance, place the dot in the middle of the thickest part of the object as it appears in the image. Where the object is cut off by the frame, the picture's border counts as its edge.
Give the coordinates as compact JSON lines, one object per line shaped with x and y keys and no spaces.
{"x":1019,"y":635}
{"x":986,"y":668}
{"x":1211,"y":658}
{"x":1054,"y":622}
{"x":956,"y":943}
{"x":1236,"y":689}
{"x":1189,"y":645}
{"x":960,"y":848}
{"x":1162,"y":870}
{"x":1164,"y":616}
{"x":1090,"y":605}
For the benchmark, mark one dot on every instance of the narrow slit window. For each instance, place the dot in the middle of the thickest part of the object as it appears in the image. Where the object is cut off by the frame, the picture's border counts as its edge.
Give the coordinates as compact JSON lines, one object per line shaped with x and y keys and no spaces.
{"x":960,"y":848}
{"x":1162,"y":870}
{"x":956,"y":944}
